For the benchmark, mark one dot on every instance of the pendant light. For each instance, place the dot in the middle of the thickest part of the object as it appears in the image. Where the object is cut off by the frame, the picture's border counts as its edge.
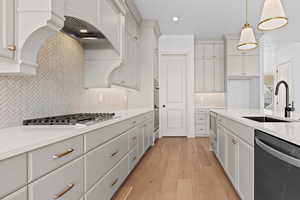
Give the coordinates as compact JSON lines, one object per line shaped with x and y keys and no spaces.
{"x":273,"y":16}
{"x":247,"y":39}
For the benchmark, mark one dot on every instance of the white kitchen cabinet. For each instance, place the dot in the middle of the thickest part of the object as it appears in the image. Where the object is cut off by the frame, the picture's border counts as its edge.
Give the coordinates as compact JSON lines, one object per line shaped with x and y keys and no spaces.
{"x":209,"y":67}
{"x":141,"y":140}
{"x":235,"y":66}
{"x":231,"y":168}
{"x":7,"y":28}
{"x":241,"y":63}
{"x":128,"y":74}
{"x":13,"y":173}
{"x":19,"y":195}
{"x":245,"y":175}
{"x":221,"y":145}
{"x":201,"y":122}
{"x":251,"y":65}
{"x":236,"y":154}
{"x":243,"y":66}
{"x":65,"y":183}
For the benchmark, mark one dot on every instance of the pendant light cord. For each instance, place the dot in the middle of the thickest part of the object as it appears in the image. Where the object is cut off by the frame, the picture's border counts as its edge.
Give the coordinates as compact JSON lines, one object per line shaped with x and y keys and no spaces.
{"x":246,"y":11}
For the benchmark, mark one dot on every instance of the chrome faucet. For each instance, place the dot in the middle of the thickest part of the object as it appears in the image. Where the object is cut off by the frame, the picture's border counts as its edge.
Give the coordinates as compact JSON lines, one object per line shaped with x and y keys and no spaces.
{"x":288,"y":107}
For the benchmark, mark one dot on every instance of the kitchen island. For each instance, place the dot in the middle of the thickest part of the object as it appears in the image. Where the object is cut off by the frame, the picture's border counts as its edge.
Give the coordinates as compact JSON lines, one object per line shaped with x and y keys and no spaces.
{"x":234,"y":136}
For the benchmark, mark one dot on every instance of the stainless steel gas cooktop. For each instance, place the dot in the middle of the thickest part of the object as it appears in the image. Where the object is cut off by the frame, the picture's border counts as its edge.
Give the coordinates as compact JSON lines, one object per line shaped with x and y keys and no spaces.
{"x":73,"y":119}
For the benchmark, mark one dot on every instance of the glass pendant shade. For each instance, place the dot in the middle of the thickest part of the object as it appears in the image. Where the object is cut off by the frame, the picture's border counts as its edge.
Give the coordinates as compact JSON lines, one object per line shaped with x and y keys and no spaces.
{"x":273,"y":16}
{"x":247,"y":39}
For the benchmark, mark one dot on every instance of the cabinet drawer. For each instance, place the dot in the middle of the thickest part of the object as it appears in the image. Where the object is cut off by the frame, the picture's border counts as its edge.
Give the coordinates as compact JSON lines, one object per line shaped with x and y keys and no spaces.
{"x":19,"y":195}
{"x":133,"y":137}
{"x":100,"y":136}
{"x":13,"y":173}
{"x":106,"y":187}
{"x":99,"y":161}
{"x":65,"y":183}
{"x":133,"y":158}
{"x":44,"y":160}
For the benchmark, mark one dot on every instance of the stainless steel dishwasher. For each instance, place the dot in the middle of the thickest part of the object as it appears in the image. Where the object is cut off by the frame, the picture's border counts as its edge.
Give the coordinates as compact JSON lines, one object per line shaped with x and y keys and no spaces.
{"x":277,"y":168}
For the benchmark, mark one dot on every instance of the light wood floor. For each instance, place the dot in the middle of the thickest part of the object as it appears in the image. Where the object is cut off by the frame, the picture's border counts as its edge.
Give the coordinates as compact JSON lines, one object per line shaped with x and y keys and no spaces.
{"x":178,"y":169}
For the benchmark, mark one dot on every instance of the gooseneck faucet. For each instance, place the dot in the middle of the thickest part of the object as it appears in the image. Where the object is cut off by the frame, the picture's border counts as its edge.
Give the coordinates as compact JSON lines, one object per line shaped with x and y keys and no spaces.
{"x":288,"y":107}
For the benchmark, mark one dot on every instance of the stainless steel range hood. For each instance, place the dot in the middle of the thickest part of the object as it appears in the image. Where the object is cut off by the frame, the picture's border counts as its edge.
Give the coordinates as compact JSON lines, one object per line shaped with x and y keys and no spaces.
{"x":83,"y":31}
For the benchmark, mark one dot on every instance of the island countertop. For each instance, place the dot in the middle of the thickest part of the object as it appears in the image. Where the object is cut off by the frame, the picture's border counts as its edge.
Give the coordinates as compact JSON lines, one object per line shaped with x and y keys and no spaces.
{"x":288,"y":131}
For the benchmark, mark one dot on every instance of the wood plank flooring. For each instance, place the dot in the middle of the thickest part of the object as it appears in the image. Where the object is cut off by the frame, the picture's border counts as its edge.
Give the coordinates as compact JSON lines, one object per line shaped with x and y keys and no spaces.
{"x":178,"y":169}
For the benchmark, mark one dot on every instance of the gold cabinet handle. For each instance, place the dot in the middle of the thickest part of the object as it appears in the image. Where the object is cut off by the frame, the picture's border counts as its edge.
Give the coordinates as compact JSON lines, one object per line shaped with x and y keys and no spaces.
{"x":12,"y":48}
{"x":114,"y":182}
{"x":134,"y":158}
{"x":60,"y":155}
{"x":57,"y":196}
{"x":114,"y":154}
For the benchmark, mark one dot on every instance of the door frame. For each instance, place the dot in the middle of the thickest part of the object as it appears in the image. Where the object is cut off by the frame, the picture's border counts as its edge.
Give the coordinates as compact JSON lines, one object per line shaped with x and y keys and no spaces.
{"x":187,"y":55}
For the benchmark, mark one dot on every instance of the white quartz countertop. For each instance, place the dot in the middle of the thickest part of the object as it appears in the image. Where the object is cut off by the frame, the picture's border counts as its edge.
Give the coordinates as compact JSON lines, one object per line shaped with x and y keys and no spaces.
{"x":22,"y":139}
{"x":288,"y":131}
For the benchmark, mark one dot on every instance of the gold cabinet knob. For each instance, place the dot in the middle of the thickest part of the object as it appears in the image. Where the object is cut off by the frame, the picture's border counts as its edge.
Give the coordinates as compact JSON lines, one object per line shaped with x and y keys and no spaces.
{"x":12,"y":48}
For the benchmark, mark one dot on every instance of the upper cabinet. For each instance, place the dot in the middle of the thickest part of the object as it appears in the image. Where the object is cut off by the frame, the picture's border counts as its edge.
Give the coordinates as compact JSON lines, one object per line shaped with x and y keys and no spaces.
{"x":128,"y":75}
{"x":241,"y":64}
{"x":7,"y":19}
{"x":209,"y":66}
{"x":25,"y":25}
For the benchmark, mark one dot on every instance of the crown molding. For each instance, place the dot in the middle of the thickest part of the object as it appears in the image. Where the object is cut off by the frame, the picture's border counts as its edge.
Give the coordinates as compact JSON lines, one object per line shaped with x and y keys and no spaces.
{"x":152,"y":24}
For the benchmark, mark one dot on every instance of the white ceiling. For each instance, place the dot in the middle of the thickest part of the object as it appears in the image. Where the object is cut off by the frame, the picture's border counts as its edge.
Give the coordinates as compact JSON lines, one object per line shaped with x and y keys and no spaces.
{"x":211,"y":19}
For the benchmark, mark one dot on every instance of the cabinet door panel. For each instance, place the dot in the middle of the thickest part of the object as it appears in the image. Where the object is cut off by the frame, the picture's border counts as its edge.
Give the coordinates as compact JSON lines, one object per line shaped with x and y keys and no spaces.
{"x":209,"y":73}
{"x":231,"y":157}
{"x":221,"y":146}
{"x":235,"y":66}
{"x":219,"y":51}
{"x":19,"y":195}
{"x":199,"y":51}
{"x":251,"y":65}
{"x":109,"y":22}
{"x":219,"y":75}
{"x":199,"y":75}
{"x":209,"y":51}
{"x":245,"y":170}
{"x":7,"y":30}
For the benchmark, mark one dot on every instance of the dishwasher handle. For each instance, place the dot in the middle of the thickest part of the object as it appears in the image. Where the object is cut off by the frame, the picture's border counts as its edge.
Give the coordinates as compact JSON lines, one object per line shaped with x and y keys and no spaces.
{"x":284,"y":157}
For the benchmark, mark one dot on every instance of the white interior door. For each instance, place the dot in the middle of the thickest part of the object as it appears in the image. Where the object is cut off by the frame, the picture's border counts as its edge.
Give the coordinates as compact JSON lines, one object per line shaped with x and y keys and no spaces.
{"x":173,"y":94}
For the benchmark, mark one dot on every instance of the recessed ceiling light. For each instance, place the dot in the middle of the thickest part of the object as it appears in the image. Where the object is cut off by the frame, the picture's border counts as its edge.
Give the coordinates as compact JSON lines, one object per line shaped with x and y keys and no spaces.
{"x":175,"y":19}
{"x":83,"y":31}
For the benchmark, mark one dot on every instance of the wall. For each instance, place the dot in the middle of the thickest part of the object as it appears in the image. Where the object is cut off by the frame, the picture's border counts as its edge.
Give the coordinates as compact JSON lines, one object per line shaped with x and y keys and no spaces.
{"x":183,"y":43}
{"x":56,"y":89}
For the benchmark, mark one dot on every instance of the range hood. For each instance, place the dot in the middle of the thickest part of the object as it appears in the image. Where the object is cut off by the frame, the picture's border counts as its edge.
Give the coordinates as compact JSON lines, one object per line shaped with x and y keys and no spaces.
{"x":83,"y":31}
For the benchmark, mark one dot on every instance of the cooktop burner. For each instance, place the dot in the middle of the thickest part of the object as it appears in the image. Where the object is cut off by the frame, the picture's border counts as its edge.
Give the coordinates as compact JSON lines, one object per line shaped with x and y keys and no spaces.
{"x":73,"y":119}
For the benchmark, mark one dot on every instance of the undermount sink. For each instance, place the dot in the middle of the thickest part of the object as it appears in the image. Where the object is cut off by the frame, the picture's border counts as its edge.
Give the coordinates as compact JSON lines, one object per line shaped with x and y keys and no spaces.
{"x":264,"y":119}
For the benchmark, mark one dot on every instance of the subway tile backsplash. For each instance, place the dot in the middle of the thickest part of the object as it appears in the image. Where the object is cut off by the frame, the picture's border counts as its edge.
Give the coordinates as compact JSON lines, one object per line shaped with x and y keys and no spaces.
{"x":56,"y":89}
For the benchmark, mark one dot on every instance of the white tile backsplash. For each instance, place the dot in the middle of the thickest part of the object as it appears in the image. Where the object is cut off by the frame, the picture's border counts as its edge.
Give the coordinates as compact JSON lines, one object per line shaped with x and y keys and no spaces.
{"x":209,"y":100}
{"x":57,"y":87}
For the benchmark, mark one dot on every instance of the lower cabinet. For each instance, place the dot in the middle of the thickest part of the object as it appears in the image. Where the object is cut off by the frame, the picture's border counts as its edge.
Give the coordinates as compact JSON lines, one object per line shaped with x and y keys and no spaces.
{"x":237,"y":158}
{"x":245,"y":170}
{"x":65,"y":183}
{"x":221,"y":145}
{"x":19,"y":195}
{"x":106,"y":187}
{"x":231,"y":168}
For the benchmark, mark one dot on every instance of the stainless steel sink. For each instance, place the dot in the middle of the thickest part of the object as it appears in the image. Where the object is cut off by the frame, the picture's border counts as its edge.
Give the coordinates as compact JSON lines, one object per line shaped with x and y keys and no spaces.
{"x":264,"y":119}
